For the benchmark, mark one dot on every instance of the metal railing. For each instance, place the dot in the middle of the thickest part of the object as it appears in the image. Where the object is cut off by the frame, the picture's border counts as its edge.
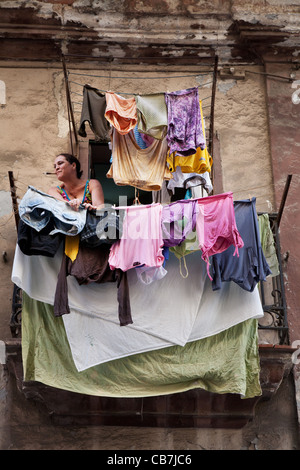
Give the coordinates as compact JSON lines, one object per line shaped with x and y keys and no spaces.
{"x":273,"y":294}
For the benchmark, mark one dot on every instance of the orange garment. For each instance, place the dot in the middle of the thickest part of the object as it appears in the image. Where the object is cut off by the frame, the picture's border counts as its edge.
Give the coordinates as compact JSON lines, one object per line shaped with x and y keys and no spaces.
{"x":142,"y":168}
{"x":120,"y":112}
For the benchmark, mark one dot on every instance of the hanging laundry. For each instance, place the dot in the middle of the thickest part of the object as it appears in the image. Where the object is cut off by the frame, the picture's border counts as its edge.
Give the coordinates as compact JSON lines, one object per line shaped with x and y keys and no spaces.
{"x":189,"y":245}
{"x":251,"y":267}
{"x":120,"y":112}
{"x":102,"y":226}
{"x":185,"y":133}
{"x":216,"y":226}
{"x":91,"y":265}
{"x":38,"y":209}
{"x":199,"y":162}
{"x":152,"y":115}
{"x":189,"y":180}
{"x":147,"y":139}
{"x":148,"y":275}
{"x":268,"y":244}
{"x":76,"y":362}
{"x":31,"y":242}
{"x":139,"y":138}
{"x":93,"y":110}
{"x":197,"y":191}
{"x":178,"y":220}
{"x":141,"y":243}
{"x":72,"y":246}
{"x":144,"y":169}
{"x":163,"y":195}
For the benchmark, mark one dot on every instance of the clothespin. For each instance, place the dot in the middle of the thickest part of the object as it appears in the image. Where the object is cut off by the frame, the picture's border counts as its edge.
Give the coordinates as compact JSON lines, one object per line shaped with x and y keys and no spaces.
{"x":136,"y":197}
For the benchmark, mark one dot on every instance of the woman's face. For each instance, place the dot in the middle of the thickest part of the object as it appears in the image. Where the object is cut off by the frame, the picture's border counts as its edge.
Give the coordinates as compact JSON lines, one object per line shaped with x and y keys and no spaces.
{"x":63,"y":168}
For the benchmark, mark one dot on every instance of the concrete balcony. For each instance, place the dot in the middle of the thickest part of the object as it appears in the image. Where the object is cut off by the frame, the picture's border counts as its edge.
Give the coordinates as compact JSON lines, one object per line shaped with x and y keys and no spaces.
{"x":195,"y":408}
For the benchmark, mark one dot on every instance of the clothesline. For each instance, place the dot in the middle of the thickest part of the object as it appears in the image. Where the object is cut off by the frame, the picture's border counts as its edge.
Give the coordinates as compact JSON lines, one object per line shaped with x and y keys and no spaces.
{"x":139,"y":78}
{"x":80,"y":94}
{"x":77,"y":102}
{"x":25,"y":185}
{"x":133,"y":94}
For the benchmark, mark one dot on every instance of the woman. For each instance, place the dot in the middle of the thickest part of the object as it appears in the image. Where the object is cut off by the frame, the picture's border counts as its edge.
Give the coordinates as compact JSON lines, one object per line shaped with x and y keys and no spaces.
{"x":72,"y":189}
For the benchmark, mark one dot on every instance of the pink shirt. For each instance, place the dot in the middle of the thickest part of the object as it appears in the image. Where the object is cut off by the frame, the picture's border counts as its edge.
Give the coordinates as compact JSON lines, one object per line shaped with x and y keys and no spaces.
{"x":141,"y":243}
{"x":216,"y":226}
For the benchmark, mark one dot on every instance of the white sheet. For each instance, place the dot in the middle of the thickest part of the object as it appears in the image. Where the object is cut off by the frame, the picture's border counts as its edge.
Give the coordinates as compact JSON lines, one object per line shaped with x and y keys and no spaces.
{"x":160,"y":308}
{"x":169,"y":311}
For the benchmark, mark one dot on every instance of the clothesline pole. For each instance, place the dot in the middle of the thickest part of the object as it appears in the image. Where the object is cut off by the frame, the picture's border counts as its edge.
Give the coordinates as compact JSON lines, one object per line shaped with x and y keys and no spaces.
{"x":14,"y":197}
{"x":69,"y":105}
{"x":283,"y":199}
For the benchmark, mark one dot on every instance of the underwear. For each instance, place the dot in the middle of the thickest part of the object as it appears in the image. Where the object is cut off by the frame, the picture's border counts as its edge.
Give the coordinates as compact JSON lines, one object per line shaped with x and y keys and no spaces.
{"x":149,"y":275}
{"x":178,"y":220}
{"x":251,"y":267}
{"x":216,"y":226}
{"x":152,"y":115}
{"x":93,"y":110}
{"x":141,"y":243}
{"x":144,"y":169}
{"x":185,"y":131}
{"x":121,"y":112}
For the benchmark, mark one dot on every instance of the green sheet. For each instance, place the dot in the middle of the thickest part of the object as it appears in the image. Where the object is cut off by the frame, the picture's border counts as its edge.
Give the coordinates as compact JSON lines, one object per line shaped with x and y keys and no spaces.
{"x":224,"y":363}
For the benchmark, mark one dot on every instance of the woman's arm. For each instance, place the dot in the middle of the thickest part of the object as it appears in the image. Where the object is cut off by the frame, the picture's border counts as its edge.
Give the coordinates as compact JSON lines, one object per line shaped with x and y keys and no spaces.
{"x":53,"y":191}
{"x":96,"y":193}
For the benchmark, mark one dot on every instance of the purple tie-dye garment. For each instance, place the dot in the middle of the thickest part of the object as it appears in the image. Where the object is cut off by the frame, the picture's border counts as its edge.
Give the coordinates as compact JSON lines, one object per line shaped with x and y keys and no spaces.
{"x":185,"y":132}
{"x":178,"y":220}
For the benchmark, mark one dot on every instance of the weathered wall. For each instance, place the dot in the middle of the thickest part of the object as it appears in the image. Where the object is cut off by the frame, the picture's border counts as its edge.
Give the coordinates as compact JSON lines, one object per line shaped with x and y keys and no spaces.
{"x":284,"y":115}
{"x":25,"y":425}
{"x":33,"y":130}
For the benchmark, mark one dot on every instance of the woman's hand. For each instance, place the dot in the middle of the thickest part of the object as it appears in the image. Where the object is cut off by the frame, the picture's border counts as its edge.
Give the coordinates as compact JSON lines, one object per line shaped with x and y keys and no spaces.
{"x":88,"y":206}
{"x":74,"y":203}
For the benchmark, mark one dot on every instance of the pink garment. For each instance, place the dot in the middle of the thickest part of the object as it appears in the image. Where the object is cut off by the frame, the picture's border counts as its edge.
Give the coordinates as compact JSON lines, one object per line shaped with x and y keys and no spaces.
{"x":216,"y":226}
{"x":141,"y":243}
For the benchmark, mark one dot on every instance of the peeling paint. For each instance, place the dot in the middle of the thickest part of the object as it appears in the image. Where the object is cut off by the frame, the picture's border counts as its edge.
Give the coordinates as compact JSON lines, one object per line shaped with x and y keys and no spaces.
{"x":225,"y":85}
{"x":5,"y":203}
{"x":2,"y":93}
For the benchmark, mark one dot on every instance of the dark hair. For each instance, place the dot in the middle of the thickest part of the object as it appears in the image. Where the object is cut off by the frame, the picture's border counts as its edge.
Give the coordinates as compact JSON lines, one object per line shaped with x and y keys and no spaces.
{"x":71,"y":159}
